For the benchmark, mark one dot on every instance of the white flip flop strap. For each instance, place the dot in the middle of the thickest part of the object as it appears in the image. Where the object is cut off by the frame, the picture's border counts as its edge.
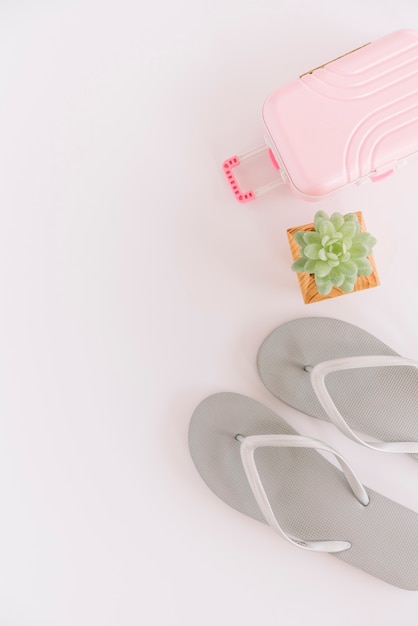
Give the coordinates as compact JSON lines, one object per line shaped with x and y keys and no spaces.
{"x":321,"y":370}
{"x":251,"y":443}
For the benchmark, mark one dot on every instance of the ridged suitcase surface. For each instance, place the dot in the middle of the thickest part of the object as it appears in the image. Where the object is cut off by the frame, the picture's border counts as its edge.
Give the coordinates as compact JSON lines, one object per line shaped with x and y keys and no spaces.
{"x":351,"y":119}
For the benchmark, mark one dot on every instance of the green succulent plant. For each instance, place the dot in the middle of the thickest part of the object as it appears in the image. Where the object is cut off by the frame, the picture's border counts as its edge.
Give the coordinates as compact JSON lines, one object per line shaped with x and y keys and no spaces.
{"x":335,"y":251}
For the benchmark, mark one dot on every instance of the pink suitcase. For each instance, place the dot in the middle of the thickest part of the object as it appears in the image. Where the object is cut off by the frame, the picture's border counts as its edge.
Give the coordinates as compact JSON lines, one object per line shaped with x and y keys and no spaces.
{"x":350,"y":120}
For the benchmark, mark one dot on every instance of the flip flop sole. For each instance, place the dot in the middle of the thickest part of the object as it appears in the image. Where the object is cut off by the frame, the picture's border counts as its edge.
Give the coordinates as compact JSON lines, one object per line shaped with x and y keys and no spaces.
{"x":380,"y":402}
{"x":310,"y":496}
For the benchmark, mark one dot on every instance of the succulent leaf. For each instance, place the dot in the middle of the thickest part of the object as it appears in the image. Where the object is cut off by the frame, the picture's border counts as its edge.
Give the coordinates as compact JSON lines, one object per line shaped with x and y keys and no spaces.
{"x":359,"y":250}
{"x":336,"y":276}
{"x":347,"y":286}
{"x":337,"y":219}
{"x":322,"y":269}
{"x":298,"y":236}
{"x":364,"y":267}
{"x":312,"y":250}
{"x":351,"y":217}
{"x":367,"y":239}
{"x":318,"y":218}
{"x":349,"y":268}
{"x":326,"y":227}
{"x":348,"y":229}
{"x":310,"y":236}
{"x":299,"y":265}
{"x":310,"y":265}
{"x":331,"y":256}
{"x":323,"y":285}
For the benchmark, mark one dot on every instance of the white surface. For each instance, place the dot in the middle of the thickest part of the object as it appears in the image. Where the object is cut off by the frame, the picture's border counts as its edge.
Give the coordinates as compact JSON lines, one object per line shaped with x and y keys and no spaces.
{"x":133,"y":286}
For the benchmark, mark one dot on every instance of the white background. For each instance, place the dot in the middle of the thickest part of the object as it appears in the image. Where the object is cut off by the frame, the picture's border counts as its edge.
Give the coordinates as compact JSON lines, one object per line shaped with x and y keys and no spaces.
{"x":133,"y":285}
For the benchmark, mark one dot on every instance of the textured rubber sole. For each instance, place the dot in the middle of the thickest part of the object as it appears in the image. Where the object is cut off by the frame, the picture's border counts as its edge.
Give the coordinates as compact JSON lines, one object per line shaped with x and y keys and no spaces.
{"x":309,"y":496}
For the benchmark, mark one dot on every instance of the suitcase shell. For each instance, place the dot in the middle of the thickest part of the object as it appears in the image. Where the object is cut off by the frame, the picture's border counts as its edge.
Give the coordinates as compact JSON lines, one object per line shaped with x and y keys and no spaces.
{"x":353,"y":119}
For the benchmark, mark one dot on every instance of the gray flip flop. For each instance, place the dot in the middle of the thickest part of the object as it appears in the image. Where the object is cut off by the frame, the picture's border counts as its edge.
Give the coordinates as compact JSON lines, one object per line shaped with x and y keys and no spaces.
{"x":335,"y":371}
{"x":306,"y":499}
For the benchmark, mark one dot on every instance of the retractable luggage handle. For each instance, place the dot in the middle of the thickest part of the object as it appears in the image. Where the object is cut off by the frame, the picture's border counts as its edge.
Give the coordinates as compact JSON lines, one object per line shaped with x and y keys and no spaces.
{"x":247,"y":196}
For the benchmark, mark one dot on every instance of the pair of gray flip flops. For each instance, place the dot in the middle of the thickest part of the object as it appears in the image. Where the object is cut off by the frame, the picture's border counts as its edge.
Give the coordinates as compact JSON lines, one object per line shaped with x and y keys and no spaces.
{"x":331,"y":370}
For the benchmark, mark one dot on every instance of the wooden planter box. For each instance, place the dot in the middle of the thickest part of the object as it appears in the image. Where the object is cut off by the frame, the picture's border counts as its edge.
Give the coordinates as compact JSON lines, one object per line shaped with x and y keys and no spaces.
{"x":307,"y":281}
